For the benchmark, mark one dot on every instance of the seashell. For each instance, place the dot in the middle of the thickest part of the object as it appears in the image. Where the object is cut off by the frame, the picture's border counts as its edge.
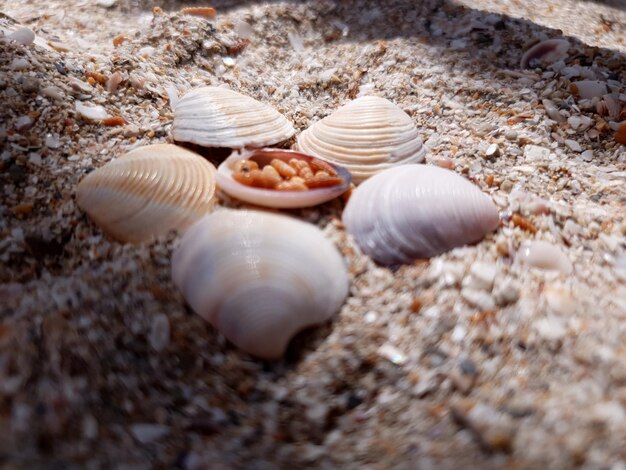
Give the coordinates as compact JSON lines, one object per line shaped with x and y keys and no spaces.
{"x":272,"y":197}
{"x":218,"y":117}
{"x":367,"y":135}
{"x":259,"y":278}
{"x":549,"y":51}
{"x":588,"y":89}
{"x":544,"y":255}
{"x":417,"y":211}
{"x":148,"y":192}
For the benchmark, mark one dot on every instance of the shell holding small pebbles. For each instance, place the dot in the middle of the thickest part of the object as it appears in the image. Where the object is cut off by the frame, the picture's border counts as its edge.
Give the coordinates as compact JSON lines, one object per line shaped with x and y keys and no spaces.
{"x":544,"y":255}
{"x":259,"y":278}
{"x":282,"y":199}
{"x":218,"y":117}
{"x":417,"y":211}
{"x":148,"y":192}
{"x":366,"y":136}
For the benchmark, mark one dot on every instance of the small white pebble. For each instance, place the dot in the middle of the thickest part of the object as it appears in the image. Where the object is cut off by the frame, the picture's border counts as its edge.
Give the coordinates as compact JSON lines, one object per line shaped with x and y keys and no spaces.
{"x":160,"y":332}
{"x":573,"y":145}
{"x":52,"y":92}
{"x":24,"y":123}
{"x":478,"y":299}
{"x":146,"y":432}
{"x":91,"y":112}
{"x":23,"y":36}
{"x":392,"y":354}
{"x":296,"y":41}
{"x":52,"y":142}
{"x":34,"y":158}
{"x":587,"y":155}
{"x":19,"y":63}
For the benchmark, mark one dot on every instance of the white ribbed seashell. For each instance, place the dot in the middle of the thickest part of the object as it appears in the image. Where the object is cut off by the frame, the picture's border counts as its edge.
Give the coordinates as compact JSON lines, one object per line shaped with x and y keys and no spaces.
{"x":271,"y":197}
{"x":366,"y":136}
{"x":148,"y":192}
{"x":259,"y":278}
{"x":218,"y":117}
{"x":417,"y":211}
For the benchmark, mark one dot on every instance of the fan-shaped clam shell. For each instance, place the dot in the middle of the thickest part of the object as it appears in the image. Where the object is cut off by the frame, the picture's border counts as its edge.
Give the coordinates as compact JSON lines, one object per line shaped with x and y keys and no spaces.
{"x":259,"y":278}
{"x":417,"y":211}
{"x":218,"y":117}
{"x":367,"y":135}
{"x":272,"y":197}
{"x":148,"y":192}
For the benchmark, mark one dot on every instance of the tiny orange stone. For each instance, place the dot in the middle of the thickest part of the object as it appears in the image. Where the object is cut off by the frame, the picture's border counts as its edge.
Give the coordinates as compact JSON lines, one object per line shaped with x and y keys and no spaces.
{"x":118,"y":40}
{"x":114,"y":121}
{"x":206,"y":12}
{"x":523,"y":223}
{"x":620,"y":135}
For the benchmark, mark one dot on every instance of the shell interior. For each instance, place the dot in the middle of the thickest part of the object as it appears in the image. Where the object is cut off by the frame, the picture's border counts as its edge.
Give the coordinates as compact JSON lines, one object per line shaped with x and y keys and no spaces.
{"x":148,"y":192}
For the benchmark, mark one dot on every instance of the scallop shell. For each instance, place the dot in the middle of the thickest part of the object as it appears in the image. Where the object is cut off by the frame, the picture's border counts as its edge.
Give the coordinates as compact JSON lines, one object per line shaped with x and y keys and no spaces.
{"x":270,"y":197}
{"x":259,"y":278}
{"x":148,"y":192}
{"x":417,"y":211}
{"x":367,"y":135}
{"x":218,"y":117}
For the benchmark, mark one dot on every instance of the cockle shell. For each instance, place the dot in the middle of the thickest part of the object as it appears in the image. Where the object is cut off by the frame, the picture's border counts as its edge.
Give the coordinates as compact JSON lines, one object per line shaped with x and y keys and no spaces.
{"x":259,"y":278}
{"x":218,"y":117}
{"x":148,"y":192}
{"x":417,"y":211}
{"x":270,"y":197}
{"x":367,"y":135}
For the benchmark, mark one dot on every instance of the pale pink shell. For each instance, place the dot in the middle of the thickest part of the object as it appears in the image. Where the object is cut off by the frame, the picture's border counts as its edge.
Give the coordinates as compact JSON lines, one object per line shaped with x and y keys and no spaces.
{"x":417,"y":211}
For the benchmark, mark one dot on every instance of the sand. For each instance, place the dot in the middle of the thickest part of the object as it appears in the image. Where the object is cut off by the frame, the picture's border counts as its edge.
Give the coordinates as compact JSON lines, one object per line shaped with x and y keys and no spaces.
{"x":471,"y":359}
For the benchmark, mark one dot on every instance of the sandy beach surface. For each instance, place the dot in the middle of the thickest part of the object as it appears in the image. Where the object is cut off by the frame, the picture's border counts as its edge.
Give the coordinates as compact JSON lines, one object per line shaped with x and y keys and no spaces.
{"x":471,"y":359}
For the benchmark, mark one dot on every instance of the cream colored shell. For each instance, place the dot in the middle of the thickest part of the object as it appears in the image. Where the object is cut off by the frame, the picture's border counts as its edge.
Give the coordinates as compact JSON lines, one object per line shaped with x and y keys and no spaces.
{"x":259,"y":278}
{"x":148,"y":192}
{"x":367,"y":135}
{"x":219,"y":117}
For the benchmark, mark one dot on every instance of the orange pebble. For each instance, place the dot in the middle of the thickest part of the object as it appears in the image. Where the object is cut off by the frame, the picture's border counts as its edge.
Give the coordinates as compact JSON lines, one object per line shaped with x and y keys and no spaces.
{"x":206,"y":12}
